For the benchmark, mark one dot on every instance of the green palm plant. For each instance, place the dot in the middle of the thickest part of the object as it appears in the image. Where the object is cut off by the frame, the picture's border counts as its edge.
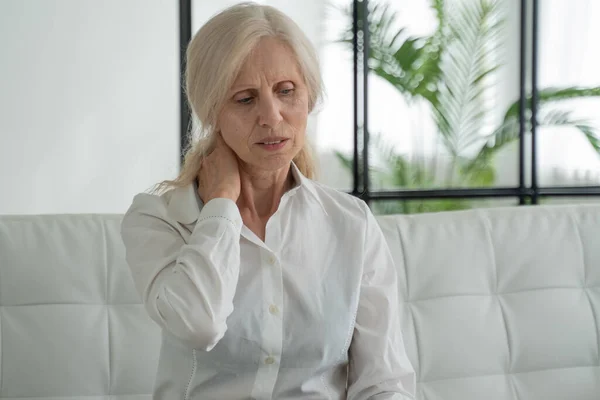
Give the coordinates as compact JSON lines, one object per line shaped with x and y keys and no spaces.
{"x":449,"y":70}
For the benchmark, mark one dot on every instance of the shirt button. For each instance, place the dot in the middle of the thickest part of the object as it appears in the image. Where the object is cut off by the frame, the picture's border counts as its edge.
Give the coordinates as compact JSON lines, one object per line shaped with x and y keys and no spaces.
{"x":272,"y":260}
{"x":273,"y":309}
{"x":269,"y":360}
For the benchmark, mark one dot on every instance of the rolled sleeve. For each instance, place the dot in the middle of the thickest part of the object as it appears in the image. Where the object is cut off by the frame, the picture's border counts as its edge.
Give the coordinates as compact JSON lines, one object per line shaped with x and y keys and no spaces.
{"x":187,"y":287}
{"x":220,"y":208}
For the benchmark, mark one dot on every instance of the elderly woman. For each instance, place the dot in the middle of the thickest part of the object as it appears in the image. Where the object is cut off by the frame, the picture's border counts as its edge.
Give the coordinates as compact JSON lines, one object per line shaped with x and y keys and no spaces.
{"x":266,"y":284}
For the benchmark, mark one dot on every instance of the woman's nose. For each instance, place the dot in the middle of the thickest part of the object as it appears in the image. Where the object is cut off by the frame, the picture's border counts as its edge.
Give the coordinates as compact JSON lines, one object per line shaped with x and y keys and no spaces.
{"x":269,"y":113}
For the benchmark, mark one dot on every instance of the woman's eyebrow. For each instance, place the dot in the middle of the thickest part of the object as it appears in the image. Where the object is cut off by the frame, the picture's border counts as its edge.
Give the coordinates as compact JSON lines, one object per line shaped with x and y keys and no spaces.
{"x":250,"y":86}
{"x":241,"y":88}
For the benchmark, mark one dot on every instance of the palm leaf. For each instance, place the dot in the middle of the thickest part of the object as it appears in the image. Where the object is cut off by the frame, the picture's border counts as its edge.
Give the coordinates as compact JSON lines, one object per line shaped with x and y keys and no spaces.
{"x":439,"y":8}
{"x":466,"y":63}
{"x":410,"y":64}
{"x":553,"y":95}
{"x":590,"y":132}
{"x":508,"y":132}
{"x":344,"y":160}
{"x":378,"y":149}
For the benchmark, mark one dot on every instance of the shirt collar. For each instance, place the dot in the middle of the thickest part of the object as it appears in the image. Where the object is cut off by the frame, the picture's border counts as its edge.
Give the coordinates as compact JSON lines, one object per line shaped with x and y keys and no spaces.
{"x":184,"y":203}
{"x":303,"y":182}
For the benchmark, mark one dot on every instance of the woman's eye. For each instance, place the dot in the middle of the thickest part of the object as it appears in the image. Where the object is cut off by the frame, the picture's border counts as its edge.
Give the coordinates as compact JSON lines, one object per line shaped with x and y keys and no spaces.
{"x":245,"y":100}
{"x":286,"y":92}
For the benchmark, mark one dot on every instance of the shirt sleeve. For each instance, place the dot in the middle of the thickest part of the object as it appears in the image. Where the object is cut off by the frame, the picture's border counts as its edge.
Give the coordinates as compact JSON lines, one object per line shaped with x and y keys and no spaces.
{"x":379,"y":367}
{"x":186,"y":288}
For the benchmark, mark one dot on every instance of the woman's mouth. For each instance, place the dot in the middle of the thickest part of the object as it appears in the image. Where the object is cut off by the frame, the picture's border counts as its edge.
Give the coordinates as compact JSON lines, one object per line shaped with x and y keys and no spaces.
{"x":272,"y":145}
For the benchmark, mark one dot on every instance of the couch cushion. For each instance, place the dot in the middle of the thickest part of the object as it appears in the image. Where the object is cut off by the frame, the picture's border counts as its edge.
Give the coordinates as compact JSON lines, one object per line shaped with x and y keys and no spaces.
{"x":501,"y":303}
{"x":71,"y":322}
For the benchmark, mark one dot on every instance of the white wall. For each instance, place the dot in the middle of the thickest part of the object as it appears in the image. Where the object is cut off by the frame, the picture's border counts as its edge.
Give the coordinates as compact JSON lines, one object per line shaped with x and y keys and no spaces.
{"x":89,"y":103}
{"x":89,"y":98}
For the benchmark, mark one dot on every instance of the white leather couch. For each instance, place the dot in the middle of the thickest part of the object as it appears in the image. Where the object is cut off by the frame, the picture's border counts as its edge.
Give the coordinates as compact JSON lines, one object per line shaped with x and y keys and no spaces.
{"x":498,"y":304}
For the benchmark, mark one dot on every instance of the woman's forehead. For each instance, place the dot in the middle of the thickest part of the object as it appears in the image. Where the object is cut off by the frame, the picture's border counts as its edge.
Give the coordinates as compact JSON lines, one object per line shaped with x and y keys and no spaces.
{"x":271,"y":60}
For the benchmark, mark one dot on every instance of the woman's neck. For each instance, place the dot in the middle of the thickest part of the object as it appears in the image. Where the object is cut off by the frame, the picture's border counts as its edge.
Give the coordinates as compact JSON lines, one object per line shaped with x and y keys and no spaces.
{"x":261,"y":191}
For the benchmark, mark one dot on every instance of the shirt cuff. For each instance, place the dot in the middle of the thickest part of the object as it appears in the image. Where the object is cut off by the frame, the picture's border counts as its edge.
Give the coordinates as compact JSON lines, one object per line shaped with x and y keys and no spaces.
{"x":224,"y":209}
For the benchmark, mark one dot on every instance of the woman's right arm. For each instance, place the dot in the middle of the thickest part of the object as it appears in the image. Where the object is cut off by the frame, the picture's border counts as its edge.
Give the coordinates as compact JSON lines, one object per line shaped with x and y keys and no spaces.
{"x":187,"y":288}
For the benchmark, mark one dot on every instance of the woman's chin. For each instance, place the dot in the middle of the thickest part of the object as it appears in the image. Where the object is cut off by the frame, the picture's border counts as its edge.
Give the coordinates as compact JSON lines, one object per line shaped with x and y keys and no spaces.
{"x":271,"y":162}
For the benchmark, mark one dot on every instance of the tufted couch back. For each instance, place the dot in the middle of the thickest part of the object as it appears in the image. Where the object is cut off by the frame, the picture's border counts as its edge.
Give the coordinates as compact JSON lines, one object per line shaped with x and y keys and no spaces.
{"x":501,"y":304}
{"x":498,"y":304}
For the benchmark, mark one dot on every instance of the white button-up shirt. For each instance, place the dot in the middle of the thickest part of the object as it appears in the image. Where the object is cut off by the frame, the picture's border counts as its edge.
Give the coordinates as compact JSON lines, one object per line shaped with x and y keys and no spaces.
{"x":310,"y":313}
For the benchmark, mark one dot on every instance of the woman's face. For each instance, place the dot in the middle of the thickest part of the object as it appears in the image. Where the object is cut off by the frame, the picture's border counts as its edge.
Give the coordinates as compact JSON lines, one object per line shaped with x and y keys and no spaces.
{"x":264,"y":116}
